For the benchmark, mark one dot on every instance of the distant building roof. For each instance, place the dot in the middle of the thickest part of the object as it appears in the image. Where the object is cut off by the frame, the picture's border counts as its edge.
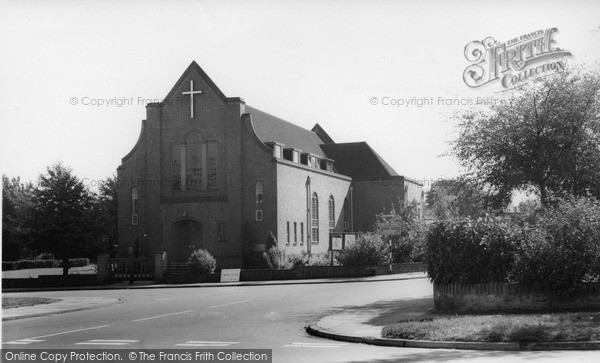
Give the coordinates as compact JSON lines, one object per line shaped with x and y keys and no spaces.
{"x":358,"y":160}
{"x":317,"y":129}
{"x":270,"y":128}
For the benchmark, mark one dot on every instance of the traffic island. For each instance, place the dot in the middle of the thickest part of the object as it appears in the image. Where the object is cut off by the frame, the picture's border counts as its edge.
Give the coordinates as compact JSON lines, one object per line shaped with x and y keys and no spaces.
{"x":527,"y":332}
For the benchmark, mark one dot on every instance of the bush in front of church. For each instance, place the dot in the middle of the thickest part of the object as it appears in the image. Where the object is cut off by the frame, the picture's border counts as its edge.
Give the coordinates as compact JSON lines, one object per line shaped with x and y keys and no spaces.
{"x":279,"y":258}
{"x":368,"y":250}
{"x":201,"y":261}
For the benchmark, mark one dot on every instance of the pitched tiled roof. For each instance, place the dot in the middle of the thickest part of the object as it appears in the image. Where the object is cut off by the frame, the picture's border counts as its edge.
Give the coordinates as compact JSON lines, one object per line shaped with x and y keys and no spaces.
{"x":270,"y":128}
{"x":358,"y":160}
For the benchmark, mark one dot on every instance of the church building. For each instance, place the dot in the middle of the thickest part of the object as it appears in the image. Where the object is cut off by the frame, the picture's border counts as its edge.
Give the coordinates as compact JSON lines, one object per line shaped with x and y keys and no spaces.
{"x":207,"y":168}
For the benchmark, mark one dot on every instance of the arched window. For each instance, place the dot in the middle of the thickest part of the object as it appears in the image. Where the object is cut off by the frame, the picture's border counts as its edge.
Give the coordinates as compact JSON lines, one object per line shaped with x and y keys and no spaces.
{"x":314,"y":235}
{"x":211,"y":161}
{"x":331,"y":214}
{"x":134,"y":206}
{"x":346,"y":215}
{"x":194,"y":162}
{"x":258,"y":215}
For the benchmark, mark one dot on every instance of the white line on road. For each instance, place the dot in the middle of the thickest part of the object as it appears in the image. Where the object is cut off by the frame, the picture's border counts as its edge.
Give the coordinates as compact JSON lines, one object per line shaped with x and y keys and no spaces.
{"x":196,"y":343}
{"x":25,"y":341}
{"x":114,"y":340}
{"x":231,"y":303}
{"x":67,"y":332}
{"x":107,"y":342}
{"x":162,"y":316}
{"x":315,"y":345}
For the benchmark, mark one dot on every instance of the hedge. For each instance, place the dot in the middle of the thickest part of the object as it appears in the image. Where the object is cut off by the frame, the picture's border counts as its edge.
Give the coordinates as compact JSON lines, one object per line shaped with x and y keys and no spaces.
{"x":557,"y":252}
{"x":471,"y":251}
{"x":28,"y":264}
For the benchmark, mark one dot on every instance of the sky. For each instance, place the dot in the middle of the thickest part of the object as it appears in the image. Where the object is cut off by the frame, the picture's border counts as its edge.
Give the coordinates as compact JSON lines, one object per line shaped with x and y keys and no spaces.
{"x":338,"y":63}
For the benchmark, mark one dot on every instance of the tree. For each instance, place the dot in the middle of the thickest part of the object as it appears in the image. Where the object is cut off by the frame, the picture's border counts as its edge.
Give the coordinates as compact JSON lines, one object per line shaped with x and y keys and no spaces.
{"x":545,"y":137}
{"x":107,"y":208}
{"x":62,"y":218}
{"x":456,"y":198}
{"x":16,"y":204}
{"x":407,"y":242}
{"x":368,"y":250}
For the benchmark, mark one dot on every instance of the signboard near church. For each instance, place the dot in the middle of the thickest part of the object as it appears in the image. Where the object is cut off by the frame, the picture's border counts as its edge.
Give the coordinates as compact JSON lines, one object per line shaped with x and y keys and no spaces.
{"x":230,"y":275}
{"x":349,"y":238}
{"x":337,"y":241}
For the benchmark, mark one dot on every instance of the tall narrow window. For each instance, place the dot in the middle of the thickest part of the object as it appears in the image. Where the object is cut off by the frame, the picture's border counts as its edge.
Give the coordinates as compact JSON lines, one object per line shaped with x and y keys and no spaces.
{"x":295,"y":233}
{"x":315,"y":219}
{"x":221,"y":231}
{"x":287,"y":236}
{"x":134,"y":206}
{"x":301,"y":233}
{"x":211,"y":152}
{"x":194,"y":162}
{"x":259,"y":201}
{"x":331,"y":214}
{"x":346,"y":215}
{"x":177,"y":155}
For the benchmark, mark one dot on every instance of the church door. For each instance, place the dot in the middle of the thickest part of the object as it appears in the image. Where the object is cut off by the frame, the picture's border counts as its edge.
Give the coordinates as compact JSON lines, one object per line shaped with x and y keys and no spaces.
{"x":187,"y":238}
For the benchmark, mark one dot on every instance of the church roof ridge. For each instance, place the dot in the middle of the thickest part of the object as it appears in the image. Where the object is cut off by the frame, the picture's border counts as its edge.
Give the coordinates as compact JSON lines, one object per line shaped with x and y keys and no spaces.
{"x":209,"y":82}
{"x":272,"y":128}
{"x":358,"y":160}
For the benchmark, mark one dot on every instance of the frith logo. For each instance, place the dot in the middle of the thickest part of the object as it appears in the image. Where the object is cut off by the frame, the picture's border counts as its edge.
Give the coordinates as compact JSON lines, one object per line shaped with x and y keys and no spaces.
{"x":515,"y":61}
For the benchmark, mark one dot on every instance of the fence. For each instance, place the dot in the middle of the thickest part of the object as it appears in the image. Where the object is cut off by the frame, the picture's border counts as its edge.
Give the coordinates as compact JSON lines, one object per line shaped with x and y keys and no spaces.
{"x":499,"y":297}
{"x":122,"y":269}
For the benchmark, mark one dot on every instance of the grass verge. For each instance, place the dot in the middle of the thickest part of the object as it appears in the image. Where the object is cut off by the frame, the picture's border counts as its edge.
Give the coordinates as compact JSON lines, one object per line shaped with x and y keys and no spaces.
{"x":18,"y":302}
{"x":571,"y":327}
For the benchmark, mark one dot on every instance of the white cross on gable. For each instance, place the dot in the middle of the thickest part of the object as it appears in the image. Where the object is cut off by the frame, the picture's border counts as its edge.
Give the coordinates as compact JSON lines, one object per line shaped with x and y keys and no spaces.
{"x":191,"y":92}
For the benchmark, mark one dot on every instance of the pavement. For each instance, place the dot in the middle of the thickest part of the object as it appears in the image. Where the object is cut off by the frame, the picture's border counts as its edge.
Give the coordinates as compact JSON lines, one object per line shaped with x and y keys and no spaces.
{"x":141,"y":284}
{"x":67,"y":304}
{"x":364,"y":324}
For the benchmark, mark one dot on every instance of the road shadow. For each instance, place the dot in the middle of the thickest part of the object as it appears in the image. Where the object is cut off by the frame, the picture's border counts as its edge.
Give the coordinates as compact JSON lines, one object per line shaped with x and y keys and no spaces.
{"x":390,"y":311}
{"x":445,"y":355}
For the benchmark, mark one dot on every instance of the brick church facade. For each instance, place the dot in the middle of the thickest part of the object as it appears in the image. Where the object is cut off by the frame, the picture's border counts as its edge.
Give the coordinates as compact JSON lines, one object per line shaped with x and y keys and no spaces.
{"x":207,"y":168}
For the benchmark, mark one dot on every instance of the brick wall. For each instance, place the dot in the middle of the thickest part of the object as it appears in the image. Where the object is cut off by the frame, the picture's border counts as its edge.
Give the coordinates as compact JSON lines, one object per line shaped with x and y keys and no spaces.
{"x":257,"y":165}
{"x":148,"y":167}
{"x":292,"y":204}
{"x":371,"y":197}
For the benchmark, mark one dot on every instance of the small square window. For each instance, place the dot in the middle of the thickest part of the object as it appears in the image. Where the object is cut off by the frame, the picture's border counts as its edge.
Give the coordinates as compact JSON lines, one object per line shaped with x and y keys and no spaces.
{"x":259,"y":215}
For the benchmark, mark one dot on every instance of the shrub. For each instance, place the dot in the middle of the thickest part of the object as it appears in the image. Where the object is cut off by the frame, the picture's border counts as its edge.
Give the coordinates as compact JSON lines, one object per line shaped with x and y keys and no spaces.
{"x":42,"y":263}
{"x":409,"y":246}
{"x":317,"y":259}
{"x":45,"y":256}
{"x":296,"y":259}
{"x":27,"y":264}
{"x":566,"y":251}
{"x":279,"y":259}
{"x":368,"y":250}
{"x":201,"y":261}
{"x":471,"y":251}
{"x":8,"y":265}
{"x":74,"y":262}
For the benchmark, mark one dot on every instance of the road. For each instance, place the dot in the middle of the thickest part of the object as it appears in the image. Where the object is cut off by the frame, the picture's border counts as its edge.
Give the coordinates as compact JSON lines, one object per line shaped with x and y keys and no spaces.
{"x":240,"y":317}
